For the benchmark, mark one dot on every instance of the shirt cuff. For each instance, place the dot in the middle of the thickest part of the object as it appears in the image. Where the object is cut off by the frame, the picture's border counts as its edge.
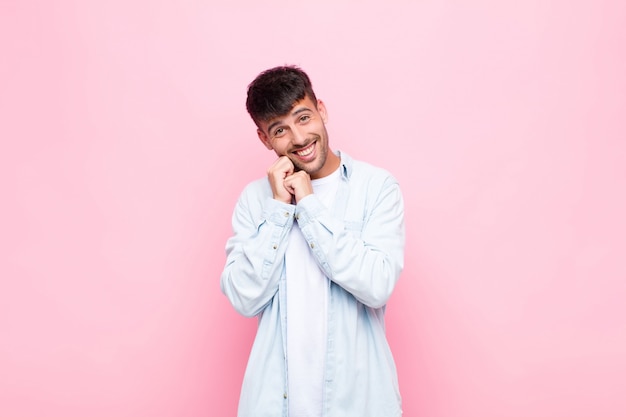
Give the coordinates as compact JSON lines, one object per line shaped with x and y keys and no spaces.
{"x":278,"y":212}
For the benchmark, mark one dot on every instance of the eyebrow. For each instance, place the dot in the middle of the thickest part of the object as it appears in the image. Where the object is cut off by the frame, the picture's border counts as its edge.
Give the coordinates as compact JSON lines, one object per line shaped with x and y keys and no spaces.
{"x":278,"y":122}
{"x":300,"y":110}
{"x":273,"y":125}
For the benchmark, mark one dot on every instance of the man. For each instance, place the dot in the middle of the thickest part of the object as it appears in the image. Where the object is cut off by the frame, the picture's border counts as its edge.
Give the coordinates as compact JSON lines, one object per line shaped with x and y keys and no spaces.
{"x":317,"y":249}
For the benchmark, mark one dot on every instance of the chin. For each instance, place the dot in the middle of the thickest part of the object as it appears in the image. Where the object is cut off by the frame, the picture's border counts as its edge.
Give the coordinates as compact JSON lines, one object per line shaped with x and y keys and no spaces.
{"x":308,"y":168}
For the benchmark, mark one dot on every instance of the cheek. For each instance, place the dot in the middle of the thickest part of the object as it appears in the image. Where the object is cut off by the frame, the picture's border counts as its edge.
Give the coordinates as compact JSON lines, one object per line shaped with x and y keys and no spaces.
{"x":275,"y":146}
{"x":280,"y":150}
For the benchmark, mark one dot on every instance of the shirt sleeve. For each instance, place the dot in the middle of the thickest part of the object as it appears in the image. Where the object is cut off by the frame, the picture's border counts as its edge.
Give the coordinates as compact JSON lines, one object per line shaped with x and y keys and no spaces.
{"x":255,"y":252}
{"x":365,"y":259}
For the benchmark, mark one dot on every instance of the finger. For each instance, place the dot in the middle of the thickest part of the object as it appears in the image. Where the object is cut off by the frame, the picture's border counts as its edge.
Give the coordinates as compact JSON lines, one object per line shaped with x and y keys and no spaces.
{"x":283,"y":166}
{"x":288,"y":184}
{"x":286,"y":165}
{"x":279,"y":170}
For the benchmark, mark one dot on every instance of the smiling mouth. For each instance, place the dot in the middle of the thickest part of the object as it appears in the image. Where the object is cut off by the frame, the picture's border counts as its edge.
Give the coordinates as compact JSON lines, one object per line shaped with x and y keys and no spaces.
{"x":306,"y":151}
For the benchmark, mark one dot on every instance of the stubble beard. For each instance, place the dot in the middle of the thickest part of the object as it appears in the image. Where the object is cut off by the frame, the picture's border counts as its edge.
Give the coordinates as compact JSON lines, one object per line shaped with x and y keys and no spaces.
{"x":318,"y":162}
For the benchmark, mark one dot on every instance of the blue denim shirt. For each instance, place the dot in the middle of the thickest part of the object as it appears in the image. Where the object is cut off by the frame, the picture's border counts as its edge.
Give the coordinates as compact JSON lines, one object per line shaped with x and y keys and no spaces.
{"x":359,"y":244}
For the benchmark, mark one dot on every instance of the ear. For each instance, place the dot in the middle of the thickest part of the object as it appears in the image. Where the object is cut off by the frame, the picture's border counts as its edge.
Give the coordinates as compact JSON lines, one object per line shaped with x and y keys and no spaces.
{"x":263,"y":137}
{"x":321,"y":108}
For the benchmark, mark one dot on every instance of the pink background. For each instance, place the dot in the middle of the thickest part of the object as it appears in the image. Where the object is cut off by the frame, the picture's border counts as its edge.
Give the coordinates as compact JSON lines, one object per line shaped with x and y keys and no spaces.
{"x":125,"y":143}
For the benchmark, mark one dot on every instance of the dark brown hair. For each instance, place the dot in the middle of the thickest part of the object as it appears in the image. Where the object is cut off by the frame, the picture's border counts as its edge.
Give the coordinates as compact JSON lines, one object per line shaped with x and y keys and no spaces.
{"x":275,"y":91}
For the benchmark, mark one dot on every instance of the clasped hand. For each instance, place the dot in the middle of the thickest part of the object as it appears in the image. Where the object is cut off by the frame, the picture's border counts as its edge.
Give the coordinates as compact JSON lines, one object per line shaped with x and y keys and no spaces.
{"x":287,"y":183}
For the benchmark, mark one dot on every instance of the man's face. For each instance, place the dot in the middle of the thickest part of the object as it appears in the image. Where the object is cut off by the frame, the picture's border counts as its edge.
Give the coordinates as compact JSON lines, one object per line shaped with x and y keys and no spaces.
{"x":301,"y":136}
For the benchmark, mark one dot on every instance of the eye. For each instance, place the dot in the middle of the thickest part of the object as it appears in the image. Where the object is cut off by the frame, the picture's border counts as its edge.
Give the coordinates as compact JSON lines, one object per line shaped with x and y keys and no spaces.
{"x":304,"y":118}
{"x":278,"y":132}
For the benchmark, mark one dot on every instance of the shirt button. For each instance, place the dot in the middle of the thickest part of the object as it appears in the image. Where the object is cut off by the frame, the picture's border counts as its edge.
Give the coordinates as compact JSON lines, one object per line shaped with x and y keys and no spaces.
{"x":312,"y":245}
{"x":297,"y":217}
{"x":275,"y":246}
{"x":286,"y":214}
{"x":285,"y":395}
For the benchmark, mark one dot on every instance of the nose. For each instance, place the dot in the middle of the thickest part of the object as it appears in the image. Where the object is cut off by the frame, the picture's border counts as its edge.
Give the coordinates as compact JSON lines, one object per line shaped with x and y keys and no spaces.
{"x":299,"y":137}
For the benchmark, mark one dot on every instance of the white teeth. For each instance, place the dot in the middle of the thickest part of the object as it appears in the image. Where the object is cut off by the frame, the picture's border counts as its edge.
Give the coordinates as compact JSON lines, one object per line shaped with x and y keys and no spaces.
{"x":305,"y":152}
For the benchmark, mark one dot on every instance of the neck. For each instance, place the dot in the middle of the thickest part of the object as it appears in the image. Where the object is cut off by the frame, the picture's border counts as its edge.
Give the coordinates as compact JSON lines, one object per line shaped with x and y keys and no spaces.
{"x":332,"y":163}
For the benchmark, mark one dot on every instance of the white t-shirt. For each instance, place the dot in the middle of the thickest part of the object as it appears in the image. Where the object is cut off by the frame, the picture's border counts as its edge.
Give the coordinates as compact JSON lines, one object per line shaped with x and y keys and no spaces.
{"x":307,"y":296}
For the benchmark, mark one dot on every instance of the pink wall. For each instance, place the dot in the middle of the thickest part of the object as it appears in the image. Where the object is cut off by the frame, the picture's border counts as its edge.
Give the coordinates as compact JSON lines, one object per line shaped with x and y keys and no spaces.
{"x":125,"y":143}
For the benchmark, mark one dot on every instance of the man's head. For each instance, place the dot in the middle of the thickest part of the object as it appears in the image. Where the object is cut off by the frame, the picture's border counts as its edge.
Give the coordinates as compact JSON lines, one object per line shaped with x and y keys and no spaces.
{"x":275,"y":91}
{"x":291,"y":121}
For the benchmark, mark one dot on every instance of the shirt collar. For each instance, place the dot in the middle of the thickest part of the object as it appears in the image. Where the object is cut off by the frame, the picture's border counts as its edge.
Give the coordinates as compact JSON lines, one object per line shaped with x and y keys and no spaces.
{"x":346,"y":165}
